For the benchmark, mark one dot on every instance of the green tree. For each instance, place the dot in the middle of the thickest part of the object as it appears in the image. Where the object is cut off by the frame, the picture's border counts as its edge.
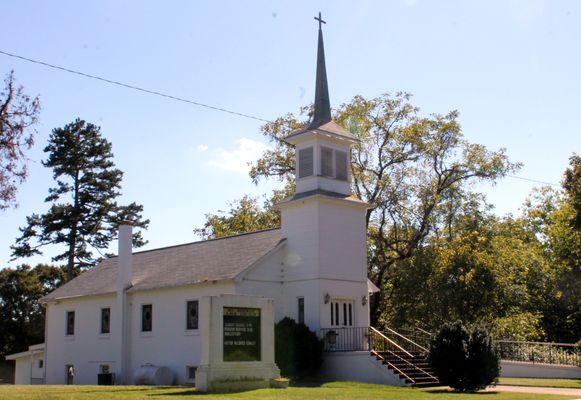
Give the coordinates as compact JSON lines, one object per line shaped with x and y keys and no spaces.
{"x":245,"y":215}
{"x":18,"y":114}
{"x":481,"y":270}
{"x":298,"y":352}
{"x":410,"y":168}
{"x":464,"y":361}
{"x":84,"y":214}
{"x":552,"y":217}
{"x":21,"y":315}
{"x":572,"y":186}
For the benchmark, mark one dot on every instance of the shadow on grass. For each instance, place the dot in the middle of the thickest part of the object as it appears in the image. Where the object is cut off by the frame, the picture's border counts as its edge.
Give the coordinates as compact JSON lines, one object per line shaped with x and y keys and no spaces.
{"x":102,"y":389}
{"x":307,"y":383}
{"x":185,"y":392}
{"x":450,"y":391}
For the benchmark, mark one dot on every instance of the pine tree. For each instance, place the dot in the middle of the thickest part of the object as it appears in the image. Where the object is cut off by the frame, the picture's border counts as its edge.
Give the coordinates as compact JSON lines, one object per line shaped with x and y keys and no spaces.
{"x":84,"y":214}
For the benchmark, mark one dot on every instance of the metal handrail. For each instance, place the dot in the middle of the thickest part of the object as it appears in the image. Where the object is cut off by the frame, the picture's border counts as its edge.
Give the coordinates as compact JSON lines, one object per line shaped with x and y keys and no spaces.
{"x":375,"y":331}
{"x":541,"y":343}
{"x":410,"y":363}
{"x":539,"y":352}
{"x":423,"y":331}
{"x":399,"y":371}
{"x":407,"y":339}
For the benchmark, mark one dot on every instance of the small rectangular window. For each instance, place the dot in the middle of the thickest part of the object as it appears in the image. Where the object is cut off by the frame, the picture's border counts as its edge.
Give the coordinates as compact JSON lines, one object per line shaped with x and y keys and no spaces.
{"x":70,"y":323}
{"x":344,"y":314}
{"x":40,"y":364}
{"x":192,"y":314}
{"x":146,"y":318}
{"x":306,"y":162}
{"x":191,"y":372}
{"x":341,"y":165}
{"x":105,"y":320}
{"x":301,"y":305}
{"x":327,"y":162}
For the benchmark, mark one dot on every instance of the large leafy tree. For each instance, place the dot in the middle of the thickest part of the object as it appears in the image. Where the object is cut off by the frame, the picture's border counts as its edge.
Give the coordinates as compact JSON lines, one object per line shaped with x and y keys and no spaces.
{"x":552,"y":217}
{"x":483,"y":270}
{"x":413,"y":170}
{"x":244,"y":215}
{"x":84,"y":214}
{"x":18,"y":114}
{"x":572,"y":186}
{"x":21,"y":315}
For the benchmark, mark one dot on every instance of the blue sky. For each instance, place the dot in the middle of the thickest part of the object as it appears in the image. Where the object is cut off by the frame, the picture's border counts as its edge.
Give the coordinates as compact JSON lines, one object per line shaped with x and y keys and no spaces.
{"x":510,"y":67}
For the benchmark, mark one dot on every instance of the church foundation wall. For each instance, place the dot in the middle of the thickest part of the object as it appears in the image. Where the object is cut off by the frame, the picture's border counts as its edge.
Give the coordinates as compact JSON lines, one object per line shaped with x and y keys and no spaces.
{"x":357,"y":366}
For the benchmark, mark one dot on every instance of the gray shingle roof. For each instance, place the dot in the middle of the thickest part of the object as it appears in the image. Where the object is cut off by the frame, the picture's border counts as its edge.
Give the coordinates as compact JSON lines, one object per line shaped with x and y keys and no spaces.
{"x":187,"y":264}
{"x":328,"y":128}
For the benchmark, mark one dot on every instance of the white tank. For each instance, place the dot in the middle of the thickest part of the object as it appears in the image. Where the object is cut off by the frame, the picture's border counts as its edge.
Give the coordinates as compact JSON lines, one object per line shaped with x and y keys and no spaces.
{"x":152,"y":375}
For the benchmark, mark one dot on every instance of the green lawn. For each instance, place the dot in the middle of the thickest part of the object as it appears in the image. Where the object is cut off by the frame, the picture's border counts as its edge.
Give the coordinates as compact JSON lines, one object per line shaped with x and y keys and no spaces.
{"x":327,"y":391}
{"x":545,"y":382}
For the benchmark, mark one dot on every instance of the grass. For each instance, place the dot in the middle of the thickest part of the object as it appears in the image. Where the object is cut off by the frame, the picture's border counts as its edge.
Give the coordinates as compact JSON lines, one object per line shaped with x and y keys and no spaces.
{"x":544,"y":382}
{"x":327,"y":391}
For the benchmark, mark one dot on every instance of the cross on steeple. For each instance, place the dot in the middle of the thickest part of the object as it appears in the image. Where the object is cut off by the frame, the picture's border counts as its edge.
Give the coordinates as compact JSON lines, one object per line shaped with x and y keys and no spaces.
{"x":322,"y":104}
{"x":320,"y":20}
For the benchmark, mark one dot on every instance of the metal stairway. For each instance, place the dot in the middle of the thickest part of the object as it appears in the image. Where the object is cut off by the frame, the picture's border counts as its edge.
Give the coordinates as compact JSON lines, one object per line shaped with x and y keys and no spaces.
{"x":403,"y":356}
{"x":400,"y":354}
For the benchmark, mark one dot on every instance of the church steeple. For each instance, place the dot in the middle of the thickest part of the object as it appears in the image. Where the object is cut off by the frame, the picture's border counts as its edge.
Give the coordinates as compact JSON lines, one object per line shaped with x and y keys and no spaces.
{"x":322,"y":148}
{"x":322,"y":110}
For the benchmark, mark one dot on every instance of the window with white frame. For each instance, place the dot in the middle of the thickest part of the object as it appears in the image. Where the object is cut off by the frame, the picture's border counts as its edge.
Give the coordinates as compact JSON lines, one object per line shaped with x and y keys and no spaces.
{"x":192,"y":315}
{"x":341,"y":312}
{"x":70,"y":330}
{"x":105,"y":320}
{"x":146,"y":318}
{"x":191,"y":373}
{"x":301,"y":309}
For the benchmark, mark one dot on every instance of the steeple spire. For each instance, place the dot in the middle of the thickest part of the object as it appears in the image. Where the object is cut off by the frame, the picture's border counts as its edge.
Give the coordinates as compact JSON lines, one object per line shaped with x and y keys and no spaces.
{"x":322,"y":112}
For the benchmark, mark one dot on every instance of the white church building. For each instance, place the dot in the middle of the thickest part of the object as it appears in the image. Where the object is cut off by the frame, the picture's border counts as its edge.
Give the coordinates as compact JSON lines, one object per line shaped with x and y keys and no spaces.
{"x":145,"y":308}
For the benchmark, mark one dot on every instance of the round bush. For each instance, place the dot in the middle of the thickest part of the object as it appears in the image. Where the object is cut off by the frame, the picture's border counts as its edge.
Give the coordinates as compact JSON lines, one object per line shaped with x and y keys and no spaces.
{"x":464,"y":361}
{"x":298,"y":352}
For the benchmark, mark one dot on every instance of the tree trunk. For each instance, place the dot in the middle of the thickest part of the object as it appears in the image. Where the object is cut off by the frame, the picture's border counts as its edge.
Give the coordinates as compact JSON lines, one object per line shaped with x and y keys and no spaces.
{"x":73,"y":232}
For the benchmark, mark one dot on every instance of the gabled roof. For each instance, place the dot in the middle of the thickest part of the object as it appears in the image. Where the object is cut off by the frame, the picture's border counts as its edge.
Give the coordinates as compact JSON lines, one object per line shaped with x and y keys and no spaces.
{"x":182,"y":265}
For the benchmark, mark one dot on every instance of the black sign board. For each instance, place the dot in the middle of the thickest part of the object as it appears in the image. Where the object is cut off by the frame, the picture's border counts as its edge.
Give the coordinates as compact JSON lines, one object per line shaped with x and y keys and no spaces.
{"x":241,"y":334}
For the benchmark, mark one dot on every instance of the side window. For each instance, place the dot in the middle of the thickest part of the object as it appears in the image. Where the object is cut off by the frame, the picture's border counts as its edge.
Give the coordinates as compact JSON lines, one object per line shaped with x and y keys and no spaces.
{"x":192,"y":314}
{"x":327,"y":162}
{"x":306,"y":162}
{"x":301,"y":310}
{"x":146,"y":318}
{"x":70,"y":323}
{"x":105,"y":320}
{"x":191,"y":373}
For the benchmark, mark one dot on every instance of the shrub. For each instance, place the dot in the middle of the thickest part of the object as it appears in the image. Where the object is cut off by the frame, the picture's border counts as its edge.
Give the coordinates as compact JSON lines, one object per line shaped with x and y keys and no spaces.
{"x":298,"y":352}
{"x":464,"y":361}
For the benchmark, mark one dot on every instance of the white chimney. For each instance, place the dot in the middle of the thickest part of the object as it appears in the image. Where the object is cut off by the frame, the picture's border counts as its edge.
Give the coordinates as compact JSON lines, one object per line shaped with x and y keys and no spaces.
{"x":124,"y":275}
{"x":125,"y":260}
